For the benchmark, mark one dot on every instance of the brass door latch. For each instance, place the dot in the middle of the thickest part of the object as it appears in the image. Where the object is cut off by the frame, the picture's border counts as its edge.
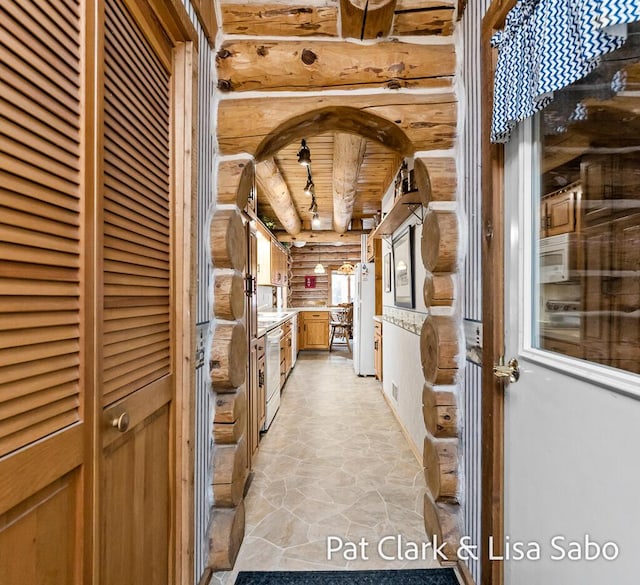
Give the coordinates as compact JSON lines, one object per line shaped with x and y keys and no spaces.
{"x":510,"y":371}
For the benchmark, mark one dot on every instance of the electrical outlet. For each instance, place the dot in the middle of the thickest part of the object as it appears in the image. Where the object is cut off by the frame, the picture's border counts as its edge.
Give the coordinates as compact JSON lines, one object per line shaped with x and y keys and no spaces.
{"x":394,"y":391}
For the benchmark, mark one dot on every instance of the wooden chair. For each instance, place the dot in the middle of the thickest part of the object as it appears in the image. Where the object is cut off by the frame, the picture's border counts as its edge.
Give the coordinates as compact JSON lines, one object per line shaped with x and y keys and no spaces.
{"x":342,"y":325}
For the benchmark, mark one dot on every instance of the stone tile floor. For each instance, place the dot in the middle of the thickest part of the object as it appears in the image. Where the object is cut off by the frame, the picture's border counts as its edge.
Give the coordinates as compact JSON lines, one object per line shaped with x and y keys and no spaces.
{"x":334,"y":463}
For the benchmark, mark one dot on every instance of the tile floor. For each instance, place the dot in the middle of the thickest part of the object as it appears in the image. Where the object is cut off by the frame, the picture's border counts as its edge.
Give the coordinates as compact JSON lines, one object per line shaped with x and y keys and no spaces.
{"x":334,"y":463}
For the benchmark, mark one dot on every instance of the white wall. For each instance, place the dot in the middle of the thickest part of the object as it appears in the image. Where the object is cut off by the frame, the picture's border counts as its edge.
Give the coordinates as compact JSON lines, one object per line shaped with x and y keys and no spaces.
{"x":572,"y":468}
{"x":401,"y":348}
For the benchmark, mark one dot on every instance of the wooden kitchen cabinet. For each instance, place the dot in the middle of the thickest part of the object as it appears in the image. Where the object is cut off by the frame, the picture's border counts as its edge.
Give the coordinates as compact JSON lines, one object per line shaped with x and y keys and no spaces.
{"x":315,"y":329}
{"x":611,"y":293}
{"x":377,"y":350}
{"x":262,"y":384}
{"x":558,"y":211}
{"x":607,"y":181}
{"x":256,"y":399}
{"x":273,"y":260}
{"x":276,"y":264}
{"x":264,"y":256}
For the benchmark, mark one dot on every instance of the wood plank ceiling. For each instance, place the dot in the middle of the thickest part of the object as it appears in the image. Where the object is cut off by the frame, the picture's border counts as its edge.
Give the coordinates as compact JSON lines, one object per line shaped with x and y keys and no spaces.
{"x":378,"y":169}
{"x":253,"y":32}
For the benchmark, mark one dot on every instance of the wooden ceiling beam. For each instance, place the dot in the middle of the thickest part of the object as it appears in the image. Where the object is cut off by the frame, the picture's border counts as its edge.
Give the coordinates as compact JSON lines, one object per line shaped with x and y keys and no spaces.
{"x":307,"y":65}
{"x":405,"y":122}
{"x":366,"y":19}
{"x":275,"y":189}
{"x":348,"y":154}
{"x":321,"y":236}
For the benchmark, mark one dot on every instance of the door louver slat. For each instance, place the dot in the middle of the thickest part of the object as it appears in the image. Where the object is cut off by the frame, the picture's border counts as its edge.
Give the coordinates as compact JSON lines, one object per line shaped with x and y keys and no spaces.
{"x":137,"y":230}
{"x":39,"y":219}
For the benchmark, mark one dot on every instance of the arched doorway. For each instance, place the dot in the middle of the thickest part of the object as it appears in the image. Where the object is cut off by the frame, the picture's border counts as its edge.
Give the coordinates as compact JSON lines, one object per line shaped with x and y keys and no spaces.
{"x":440,"y":331}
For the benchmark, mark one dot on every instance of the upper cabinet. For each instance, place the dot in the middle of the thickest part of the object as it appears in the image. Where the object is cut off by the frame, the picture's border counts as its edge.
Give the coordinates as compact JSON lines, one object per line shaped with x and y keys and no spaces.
{"x":273,"y":260}
{"x":558,"y":211}
{"x":264,"y":258}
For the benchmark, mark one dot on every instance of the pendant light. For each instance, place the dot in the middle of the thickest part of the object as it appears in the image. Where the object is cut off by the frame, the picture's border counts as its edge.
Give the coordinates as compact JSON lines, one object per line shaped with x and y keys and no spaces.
{"x":319,"y":269}
{"x":346,"y":268}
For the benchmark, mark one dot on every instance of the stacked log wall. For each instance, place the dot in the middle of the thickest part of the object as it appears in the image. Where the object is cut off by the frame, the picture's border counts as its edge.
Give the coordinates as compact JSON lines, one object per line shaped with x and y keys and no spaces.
{"x":441,"y":347}
{"x":227,"y":361}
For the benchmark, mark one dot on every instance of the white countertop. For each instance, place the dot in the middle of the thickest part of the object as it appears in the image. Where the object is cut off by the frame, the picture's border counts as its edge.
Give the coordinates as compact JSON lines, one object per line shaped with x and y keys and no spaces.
{"x":275,"y":319}
{"x":272,"y":319}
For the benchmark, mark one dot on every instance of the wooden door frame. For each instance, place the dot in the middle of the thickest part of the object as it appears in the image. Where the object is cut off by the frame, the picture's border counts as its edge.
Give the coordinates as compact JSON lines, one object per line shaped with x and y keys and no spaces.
{"x":168,"y":19}
{"x":492,"y":309}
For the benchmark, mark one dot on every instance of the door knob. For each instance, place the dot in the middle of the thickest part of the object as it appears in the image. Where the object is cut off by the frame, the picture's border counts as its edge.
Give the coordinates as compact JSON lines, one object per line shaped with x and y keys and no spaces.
{"x":511,"y":371}
{"x":121,"y":422}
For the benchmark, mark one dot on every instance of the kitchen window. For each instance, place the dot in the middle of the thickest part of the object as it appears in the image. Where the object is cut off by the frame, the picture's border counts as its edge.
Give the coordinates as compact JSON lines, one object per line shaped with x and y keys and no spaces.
{"x":342,"y":288}
{"x":587,"y":235}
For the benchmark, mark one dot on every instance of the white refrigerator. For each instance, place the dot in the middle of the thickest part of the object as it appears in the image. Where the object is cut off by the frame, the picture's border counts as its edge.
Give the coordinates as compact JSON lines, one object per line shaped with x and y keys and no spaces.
{"x":363,"y":309}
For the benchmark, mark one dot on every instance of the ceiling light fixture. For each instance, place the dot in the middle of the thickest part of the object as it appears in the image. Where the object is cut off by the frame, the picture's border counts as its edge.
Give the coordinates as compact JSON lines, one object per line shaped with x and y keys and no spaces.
{"x":346,"y":268}
{"x":315,"y":222}
{"x":309,"y":188}
{"x":304,"y":154}
{"x":319,"y":269}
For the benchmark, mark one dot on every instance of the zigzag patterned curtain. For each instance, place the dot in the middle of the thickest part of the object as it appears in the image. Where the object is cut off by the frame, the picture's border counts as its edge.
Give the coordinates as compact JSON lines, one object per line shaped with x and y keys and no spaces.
{"x":547,"y":45}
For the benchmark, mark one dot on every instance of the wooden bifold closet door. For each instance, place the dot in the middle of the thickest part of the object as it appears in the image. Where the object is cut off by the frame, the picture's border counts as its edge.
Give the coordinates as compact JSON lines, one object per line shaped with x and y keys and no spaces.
{"x":137,"y":381}
{"x":91,"y":226}
{"x":42,"y":397}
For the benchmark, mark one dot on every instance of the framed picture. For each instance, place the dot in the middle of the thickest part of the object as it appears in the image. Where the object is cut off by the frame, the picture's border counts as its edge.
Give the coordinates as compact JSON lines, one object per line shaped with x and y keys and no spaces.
{"x":387,"y":272}
{"x":403,"y":269}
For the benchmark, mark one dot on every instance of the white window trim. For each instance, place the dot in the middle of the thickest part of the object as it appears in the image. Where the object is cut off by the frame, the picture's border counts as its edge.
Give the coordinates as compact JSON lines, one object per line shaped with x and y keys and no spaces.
{"x":612,"y":379}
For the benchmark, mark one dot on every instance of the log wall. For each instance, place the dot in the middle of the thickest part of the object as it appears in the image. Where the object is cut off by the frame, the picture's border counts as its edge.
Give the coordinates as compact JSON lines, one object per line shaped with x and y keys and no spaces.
{"x":303,"y":261}
{"x":440,"y":351}
{"x":228,"y":362}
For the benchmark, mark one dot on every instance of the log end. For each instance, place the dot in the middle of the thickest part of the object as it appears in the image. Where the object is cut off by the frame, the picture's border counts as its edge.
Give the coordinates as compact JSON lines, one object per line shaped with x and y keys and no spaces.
{"x":226,"y":533}
{"x":228,"y":357}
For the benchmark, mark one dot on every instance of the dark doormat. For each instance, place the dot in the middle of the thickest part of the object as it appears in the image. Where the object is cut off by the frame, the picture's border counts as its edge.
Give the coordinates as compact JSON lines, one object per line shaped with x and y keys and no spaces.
{"x":391,"y":577}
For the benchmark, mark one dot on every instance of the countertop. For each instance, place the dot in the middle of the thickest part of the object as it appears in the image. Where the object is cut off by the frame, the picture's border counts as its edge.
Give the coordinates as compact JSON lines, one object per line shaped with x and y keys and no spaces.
{"x":277,"y":318}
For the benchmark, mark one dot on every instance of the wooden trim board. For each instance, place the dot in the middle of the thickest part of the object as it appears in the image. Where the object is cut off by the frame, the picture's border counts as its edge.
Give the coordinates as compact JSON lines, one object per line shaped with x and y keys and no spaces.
{"x":492,"y":308}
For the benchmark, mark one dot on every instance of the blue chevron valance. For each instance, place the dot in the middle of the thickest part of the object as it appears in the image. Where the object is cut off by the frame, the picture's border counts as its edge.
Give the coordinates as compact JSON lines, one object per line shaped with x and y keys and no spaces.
{"x":547,"y":45}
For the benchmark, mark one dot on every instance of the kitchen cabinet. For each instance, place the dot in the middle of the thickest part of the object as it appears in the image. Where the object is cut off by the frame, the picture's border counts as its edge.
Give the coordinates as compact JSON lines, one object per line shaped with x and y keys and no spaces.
{"x":286,"y":348}
{"x":558,"y":211}
{"x":611,"y":292}
{"x":256,"y":398}
{"x":377,"y":350}
{"x":273,"y":260}
{"x":277,"y":273}
{"x":611,"y":186}
{"x":264,"y":257}
{"x":315,"y":329}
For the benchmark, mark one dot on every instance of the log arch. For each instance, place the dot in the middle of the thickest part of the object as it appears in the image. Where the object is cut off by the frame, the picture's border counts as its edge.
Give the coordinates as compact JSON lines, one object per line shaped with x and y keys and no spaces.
{"x":336,"y":119}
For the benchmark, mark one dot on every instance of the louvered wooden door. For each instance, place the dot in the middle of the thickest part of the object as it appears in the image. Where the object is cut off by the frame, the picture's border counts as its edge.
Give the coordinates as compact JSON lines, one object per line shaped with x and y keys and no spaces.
{"x":137,"y":382}
{"x":92,"y":217}
{"x":42,"y":395}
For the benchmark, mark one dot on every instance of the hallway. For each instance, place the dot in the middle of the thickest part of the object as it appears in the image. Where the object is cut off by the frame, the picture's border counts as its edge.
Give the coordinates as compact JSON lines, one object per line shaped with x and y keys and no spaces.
{"x":334,"y":463}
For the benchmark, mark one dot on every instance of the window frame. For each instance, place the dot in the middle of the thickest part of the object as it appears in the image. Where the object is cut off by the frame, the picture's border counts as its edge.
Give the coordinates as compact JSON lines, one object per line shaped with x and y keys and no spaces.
{"x":526,"y":159}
